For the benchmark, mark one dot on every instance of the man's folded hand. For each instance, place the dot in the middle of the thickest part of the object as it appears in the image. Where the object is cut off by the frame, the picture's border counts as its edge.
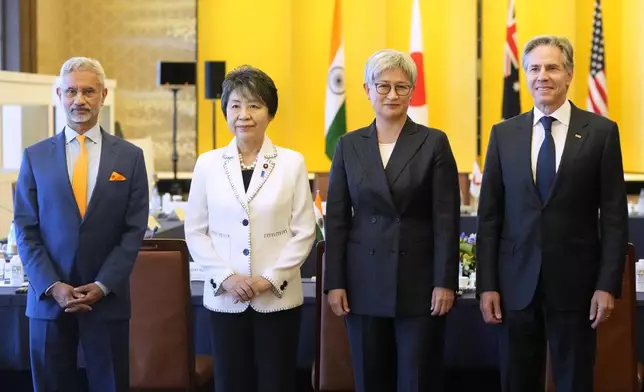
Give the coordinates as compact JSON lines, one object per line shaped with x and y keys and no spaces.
{"x":85,"y":296}
{"x":68,"y":298}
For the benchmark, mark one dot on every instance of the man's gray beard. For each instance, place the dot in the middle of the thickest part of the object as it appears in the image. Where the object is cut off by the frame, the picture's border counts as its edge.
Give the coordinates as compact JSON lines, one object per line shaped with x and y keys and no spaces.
{"x":79,"y":118}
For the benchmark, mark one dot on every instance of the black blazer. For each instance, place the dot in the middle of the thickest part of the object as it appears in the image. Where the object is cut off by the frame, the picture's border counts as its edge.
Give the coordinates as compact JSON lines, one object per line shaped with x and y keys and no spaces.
{"x":392,"y":233}
{"x":576,"y":240}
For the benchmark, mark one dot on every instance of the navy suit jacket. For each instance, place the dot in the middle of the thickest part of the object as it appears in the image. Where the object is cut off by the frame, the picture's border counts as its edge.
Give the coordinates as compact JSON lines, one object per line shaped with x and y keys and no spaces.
{"x":392,"y":233}
{"x":56,"y":244}
{"x":571,"y":244}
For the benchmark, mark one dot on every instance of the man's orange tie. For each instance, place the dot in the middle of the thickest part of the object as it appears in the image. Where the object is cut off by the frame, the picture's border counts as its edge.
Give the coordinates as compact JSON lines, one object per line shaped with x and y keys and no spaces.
{"x":79,"y":177}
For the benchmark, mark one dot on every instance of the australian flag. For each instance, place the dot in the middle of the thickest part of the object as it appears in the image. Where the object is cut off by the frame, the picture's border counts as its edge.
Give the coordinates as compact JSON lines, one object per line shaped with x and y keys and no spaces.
{"x":511,"y":100}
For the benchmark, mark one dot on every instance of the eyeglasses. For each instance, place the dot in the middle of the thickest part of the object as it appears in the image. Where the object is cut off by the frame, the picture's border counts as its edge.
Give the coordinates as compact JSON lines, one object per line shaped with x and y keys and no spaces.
{"x":384,"y":89}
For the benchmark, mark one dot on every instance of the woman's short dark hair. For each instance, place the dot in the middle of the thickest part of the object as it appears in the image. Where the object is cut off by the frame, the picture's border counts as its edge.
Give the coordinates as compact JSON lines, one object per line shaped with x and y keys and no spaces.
{"x":250,"y":82}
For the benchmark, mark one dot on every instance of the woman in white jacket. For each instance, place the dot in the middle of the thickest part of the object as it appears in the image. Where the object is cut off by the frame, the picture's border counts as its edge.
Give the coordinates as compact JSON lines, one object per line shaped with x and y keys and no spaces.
{"x":250,"y":225}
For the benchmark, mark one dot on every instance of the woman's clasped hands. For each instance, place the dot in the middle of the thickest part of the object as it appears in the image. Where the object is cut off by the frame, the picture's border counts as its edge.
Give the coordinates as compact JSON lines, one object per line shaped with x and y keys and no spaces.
{"x":244,"y":288}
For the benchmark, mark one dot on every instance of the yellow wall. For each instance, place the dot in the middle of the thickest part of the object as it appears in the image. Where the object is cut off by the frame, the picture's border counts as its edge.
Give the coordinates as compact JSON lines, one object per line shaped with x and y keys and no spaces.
{"x":624,"y":41}
{"x":290,"y":40}
{"x":129,"y":38}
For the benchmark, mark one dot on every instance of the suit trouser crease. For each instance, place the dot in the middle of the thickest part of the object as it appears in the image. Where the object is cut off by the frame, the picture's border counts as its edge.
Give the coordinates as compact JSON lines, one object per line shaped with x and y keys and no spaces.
{"x":567,"y":334}
{"x":403,"y":354}
{"x":54,"y":347}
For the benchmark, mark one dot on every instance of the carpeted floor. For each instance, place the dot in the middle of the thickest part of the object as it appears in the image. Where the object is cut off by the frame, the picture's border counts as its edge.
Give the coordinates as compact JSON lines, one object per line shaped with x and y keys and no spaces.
{"x":456,"y":382}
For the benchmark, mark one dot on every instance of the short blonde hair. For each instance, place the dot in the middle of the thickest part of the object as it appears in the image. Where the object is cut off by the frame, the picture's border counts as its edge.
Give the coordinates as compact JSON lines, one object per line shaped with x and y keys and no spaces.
{"x":551,"y":40}
{"x":388,"y":59}
{"x":83,"y":64}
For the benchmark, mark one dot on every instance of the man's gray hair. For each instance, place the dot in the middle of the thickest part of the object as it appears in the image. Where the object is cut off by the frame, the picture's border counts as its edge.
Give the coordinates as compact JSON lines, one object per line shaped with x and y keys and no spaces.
{"x":388,"y":59}
{"x":551,"y":40}
{"x":83,"y":64}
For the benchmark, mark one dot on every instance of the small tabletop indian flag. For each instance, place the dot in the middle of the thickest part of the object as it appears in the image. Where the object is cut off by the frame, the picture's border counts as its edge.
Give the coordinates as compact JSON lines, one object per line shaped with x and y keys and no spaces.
{"x":319,"y":214}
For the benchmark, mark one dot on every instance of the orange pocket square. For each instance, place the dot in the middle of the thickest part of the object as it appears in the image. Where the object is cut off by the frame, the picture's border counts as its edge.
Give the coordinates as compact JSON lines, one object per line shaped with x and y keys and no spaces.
{"x":117,"y":177}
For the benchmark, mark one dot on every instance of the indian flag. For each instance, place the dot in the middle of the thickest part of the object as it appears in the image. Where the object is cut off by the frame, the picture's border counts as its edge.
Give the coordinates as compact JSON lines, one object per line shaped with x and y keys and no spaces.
{"x":335,"y":118}
{"x":319,"y":216}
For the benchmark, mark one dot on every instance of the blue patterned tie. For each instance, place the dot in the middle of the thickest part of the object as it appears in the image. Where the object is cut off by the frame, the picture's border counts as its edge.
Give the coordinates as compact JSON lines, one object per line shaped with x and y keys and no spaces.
{"x":546,"y":162}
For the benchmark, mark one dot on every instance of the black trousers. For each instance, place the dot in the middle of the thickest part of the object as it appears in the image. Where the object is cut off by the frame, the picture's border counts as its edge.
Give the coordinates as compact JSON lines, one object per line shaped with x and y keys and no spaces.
{"x":255,"y":352}
{"x":522,"y":348}
{"x":403,"y":354}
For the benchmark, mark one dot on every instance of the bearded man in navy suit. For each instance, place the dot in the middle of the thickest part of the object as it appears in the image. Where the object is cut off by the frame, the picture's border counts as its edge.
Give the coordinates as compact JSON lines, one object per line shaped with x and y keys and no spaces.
{"x":81,"y":212}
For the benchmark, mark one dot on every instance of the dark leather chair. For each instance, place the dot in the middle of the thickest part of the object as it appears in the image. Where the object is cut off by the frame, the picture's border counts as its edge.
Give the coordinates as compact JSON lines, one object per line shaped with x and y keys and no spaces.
{"x":162,"y":356}
{"x":333,"y":368}
{"x":616,"y":362}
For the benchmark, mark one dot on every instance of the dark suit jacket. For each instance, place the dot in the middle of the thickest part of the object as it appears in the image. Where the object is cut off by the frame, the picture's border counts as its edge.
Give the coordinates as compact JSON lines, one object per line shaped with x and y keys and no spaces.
{"x":392,"y":233}
{"x":55,"y":244}
{"x":576,"y":240}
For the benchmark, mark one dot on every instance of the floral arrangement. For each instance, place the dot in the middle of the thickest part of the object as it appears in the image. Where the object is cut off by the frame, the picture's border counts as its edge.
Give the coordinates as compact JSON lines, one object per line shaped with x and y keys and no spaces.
{"x":467,"y":249}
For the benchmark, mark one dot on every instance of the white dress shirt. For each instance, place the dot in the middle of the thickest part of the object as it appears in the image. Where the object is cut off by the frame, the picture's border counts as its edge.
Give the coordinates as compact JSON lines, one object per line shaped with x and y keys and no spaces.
{"x":559,"y":133}
{"x":93,"y":143}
